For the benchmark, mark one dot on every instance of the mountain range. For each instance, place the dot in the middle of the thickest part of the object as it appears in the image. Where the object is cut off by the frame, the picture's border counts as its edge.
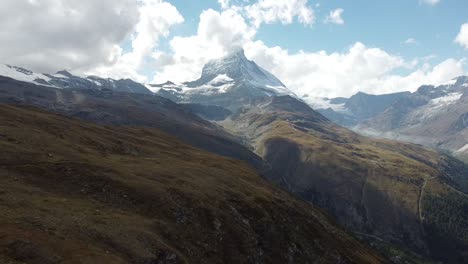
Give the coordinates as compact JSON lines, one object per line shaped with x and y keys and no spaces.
{"x":432,"y":116}
{"x":250,"y":173}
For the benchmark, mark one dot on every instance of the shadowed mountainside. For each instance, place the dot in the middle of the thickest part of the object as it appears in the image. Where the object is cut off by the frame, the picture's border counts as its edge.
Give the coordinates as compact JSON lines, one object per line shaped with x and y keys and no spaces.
{"x":401,"y":193}
{"x":75,"y":192}
{"x":125,"y":109}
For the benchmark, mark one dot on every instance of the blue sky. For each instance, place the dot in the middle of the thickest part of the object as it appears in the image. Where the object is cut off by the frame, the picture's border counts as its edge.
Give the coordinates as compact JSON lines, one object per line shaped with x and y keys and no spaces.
{"x":384,"y":24}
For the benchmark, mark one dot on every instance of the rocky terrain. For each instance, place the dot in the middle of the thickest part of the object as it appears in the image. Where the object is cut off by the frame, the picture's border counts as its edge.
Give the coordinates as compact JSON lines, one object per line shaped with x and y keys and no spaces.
{"x":432,"y":116}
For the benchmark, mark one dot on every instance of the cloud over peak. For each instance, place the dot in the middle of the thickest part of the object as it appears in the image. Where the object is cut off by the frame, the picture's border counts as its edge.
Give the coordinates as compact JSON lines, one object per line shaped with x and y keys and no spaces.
{"x":462,"y":37}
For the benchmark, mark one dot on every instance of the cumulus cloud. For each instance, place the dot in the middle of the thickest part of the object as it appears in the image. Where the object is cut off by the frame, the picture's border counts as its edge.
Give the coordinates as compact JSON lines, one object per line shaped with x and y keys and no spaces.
{"x":335,"y":17}
{"x":429,"y":2}
{"x":411,"y":41}
{"x":49,"y":35}
{"x":224,"y":3}
{"x":284,"y":11}
{"x":217,"y":34}
{"x":360,"y":68}
{"x":84,"y":36}
{"x":155,"y":19}
{"x":462,"y":37}
{"x":321,"y":74}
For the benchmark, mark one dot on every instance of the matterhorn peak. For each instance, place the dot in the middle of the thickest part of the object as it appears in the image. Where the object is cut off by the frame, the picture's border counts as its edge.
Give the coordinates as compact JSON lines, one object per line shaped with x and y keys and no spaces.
{"x":230,"y":81}
{"x":237,"y":52}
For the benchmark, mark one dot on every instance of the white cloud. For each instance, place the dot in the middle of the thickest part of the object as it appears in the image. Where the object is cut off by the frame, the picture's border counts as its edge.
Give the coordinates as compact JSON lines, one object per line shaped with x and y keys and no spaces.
{"x":84,"y":36}
{"x":49,"y":35}
{"x":335,"y":17}
{"x":284,"y":11}
{"x":462,"y":37}
{"x":218,"y":32}
{"x":155,"y":20}
{"x":429,"y":2}
{"x":360,"y":68}
{"x":411,"y":41}
{"x":371,"y":70}
{"x":224,"y":3}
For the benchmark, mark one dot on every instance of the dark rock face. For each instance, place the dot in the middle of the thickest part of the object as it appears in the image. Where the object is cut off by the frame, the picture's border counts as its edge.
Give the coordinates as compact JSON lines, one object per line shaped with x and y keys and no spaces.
{"x":461,"y":123}
{"x":209,"y":112}
{"x":364,"y":106}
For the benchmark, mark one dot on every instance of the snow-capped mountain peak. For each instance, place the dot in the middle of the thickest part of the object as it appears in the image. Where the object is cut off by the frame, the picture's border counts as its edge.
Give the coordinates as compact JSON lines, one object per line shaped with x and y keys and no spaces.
{"x":237,"y":67}
{"x":231,"y":82}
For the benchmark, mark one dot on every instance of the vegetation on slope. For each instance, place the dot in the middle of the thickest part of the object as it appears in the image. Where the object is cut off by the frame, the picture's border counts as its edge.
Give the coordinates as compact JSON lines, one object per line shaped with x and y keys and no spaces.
{"x":74,"y":192}
{"x":371,"y":186}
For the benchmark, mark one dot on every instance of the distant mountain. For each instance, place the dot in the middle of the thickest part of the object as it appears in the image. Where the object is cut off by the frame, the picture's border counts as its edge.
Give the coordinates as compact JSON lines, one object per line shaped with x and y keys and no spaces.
{"x":433,"y":116}
{"x":229,"y":82}
{"x":357,"y":108}
{"x":66,"y":80}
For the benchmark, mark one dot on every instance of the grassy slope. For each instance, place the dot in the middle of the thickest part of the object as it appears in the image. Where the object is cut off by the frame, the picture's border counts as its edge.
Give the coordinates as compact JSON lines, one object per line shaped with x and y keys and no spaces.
{"x":74,"y":192}
{"x":375,"y":187}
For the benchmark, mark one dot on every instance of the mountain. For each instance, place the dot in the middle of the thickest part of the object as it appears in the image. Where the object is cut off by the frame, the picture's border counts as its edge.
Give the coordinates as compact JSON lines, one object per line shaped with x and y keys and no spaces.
{"x":126,"y":109}
{"x":357,"y":108}
{"x":77,"y":192}
{"x":394,"y":194}
{"x":434,"y":116}
{"x":66,"y":80}
{"x":391,"y":194}
{"x":229,"y":82}
{"x":403,"y":199}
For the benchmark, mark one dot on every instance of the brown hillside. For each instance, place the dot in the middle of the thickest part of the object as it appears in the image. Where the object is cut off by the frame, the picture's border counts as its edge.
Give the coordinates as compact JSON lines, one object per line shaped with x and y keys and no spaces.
{"x":74,"y":192}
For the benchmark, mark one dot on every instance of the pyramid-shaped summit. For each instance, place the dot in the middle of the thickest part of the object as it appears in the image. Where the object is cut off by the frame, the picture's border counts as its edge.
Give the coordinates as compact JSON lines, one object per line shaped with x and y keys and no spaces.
{"x":237,"y":67}
{"x":231,"y":82}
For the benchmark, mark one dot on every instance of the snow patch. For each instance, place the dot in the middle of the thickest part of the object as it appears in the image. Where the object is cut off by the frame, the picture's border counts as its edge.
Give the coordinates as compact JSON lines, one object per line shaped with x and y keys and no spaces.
{"x":95,"y":82}
{"x":463,"y":149}
{"x":60,"y":76}
{"x":324,"y":103}
{"x":446,"y":100}
{"x":21,"y":74}
{"x":435,"y":106}
{"x":221,"y":79}
{"x":451,"y":82}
